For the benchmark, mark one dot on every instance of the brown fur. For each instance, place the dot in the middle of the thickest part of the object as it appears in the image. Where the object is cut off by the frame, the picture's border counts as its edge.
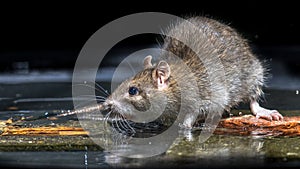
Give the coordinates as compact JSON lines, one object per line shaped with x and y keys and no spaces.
{"x":212,"y":42}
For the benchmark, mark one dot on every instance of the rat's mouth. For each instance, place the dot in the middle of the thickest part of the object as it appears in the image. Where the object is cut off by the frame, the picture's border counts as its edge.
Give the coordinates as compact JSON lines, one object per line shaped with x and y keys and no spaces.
{"x":122,"y":121}
{"x":123,"y":124}
{"x":119,"y":123}
{"x":127,"y":116}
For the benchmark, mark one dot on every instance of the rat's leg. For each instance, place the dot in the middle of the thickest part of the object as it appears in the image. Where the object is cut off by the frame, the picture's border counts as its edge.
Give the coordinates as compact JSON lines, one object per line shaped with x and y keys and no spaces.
{"x":189,"y":120}
{"x":261,"y":112}
{"x":211,"y":112}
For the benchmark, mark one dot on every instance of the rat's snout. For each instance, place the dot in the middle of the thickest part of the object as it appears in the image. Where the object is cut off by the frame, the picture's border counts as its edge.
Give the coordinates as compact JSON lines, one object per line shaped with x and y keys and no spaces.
{"x":107,"y":105}
{"x":111,"y":105}
{"x":104,"y":108}
{"x":114,"y":106}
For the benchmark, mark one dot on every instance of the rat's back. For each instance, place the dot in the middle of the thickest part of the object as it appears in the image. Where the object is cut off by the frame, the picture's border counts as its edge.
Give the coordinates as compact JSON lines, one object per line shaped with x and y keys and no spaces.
{"x":205,"y":44}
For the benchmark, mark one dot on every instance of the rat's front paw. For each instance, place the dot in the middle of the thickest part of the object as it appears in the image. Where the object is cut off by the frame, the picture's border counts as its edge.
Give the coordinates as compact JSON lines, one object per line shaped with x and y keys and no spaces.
{"x":263,"y":113}
{"x":269,"y":114}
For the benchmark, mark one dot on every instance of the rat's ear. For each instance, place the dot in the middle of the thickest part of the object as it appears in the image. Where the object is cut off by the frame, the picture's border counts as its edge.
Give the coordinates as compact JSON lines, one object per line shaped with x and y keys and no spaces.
{"x":147,"y":62}
{"x":161,"y":74}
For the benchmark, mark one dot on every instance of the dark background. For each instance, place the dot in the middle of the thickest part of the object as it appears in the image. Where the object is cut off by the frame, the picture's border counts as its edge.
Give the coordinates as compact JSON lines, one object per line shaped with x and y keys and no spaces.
{"x":50,"y":35}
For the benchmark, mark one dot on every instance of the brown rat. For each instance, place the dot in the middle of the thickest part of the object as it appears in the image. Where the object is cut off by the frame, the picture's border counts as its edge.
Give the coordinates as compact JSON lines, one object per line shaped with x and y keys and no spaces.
{"x":216,"y":58}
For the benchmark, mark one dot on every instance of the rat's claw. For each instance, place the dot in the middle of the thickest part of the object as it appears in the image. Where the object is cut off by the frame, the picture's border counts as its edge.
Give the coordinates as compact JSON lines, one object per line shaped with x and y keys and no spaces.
{"x":264,"y":113}
{"x":276,"y":115}
{"x":269,"y":115}
{"x":263,"y":116}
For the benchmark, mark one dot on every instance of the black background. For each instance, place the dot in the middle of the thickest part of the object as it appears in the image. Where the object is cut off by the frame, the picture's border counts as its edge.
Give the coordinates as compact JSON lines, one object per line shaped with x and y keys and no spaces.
{"x":51,"y":34}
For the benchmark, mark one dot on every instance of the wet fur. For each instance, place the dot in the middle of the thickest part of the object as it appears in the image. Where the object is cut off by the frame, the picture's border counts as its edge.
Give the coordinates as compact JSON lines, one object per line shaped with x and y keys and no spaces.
{"x":244,"y":73}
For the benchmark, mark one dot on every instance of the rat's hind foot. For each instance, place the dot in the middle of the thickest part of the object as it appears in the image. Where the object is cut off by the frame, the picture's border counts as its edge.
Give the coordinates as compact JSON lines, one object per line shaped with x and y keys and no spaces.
{"x":267,"y":114}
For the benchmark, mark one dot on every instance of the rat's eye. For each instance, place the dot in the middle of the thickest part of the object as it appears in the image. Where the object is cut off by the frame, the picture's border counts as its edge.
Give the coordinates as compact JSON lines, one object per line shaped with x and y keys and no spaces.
{"x":133,"y":91}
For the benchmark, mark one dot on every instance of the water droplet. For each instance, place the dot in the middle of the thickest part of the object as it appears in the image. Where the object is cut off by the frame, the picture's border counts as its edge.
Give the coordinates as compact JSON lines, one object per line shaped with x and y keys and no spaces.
{"x":18,"y":95}
{"x":86,"y":157}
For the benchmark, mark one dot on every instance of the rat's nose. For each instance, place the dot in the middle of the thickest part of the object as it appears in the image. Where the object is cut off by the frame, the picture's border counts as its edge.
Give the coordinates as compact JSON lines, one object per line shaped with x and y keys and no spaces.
{"x":107,"y":104}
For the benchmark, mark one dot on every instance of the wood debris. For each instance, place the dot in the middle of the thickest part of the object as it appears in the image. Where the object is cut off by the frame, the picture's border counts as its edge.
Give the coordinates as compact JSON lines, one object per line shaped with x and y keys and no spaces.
{"x":250,"y":125}
{"x":59,"y":131}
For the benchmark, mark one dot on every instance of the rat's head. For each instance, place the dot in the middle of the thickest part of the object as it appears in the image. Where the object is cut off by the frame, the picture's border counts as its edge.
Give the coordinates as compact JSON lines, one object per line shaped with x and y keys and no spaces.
{"x":143,"y":93}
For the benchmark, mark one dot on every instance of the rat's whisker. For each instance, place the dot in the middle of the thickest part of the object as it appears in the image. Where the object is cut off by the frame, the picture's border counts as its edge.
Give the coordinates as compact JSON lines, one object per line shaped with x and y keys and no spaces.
{"x":84,"y":104}
{"x":127,"y":124}
{"x":123,"y":125}
{"x":90,"y":117}
{"x":90,"y":100}
{"x":85,"y":101}
{"x":93,"y":87}
{"x":123,"y":121}
{"x":92,"y":96}
{"x":106,"y":120}
{"x":116,"y":122}
{"x":100,"y":87}
{"x":115,"y":126}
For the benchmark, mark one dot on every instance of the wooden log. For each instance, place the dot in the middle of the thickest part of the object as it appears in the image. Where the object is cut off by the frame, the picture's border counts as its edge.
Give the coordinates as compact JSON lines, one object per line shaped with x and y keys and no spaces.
{"x":250,"y":125}
{"x":242,"y":125}
{"x":60,"y":131}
